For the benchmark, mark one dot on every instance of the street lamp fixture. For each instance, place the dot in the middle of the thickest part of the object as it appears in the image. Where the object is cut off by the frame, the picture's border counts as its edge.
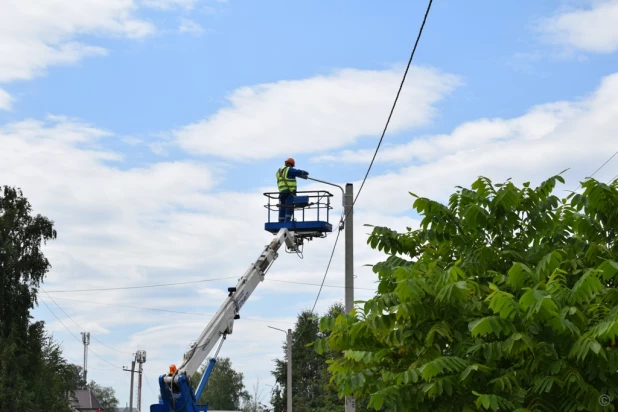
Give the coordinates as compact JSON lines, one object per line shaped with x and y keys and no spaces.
{"x":289,"y":385}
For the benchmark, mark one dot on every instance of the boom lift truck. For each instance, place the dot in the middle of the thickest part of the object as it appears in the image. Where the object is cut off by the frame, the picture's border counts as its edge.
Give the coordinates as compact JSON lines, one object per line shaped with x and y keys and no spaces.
{"x":177,"y":394}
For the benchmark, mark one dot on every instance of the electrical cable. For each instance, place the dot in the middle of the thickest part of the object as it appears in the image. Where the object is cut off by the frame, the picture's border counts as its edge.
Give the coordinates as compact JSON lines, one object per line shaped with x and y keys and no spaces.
{"x":324,"y":278}
{"x":185,"y":283}
{"x":79,"y":362}
{"x":326,"y":272}
{"x":78,"y":339}
{"x":162,"y":310}
{"x":314,"y":284}
{"x":82,"y":329}
{"x":600,"y":167}
{"x":107,"y":346}
{"x":606,"y":162}
{"x":353,"y":203}
{"x":149,"y":387}
{"x":418,"y":38}
{"x":233,"y":277}
{"x":140,"y":287}
{"x":100,"y":369}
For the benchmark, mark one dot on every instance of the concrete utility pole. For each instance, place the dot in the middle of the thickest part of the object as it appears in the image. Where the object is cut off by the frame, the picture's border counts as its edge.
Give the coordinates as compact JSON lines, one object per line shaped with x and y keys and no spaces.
{"x":86,"y":342}
{"x":140,"y":357}
{"x":131,"y":393}
{"x":350,"y":403}
{"x":132,"y":370}
{"x":289,"y":370}
{"x":289,"y":384}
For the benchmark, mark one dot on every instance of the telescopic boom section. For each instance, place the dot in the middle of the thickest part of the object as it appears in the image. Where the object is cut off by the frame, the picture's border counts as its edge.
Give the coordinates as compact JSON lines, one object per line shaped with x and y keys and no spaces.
{"x":222,"y":323}
{"x":176,"y":389}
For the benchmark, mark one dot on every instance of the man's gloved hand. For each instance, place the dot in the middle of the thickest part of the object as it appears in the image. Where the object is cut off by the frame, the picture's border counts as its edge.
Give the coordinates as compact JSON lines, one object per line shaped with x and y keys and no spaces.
{"x":304,"y":175}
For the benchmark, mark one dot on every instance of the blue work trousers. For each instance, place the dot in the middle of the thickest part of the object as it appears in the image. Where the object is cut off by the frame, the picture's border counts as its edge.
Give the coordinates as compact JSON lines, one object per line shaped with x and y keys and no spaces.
{"x":286,"y":206}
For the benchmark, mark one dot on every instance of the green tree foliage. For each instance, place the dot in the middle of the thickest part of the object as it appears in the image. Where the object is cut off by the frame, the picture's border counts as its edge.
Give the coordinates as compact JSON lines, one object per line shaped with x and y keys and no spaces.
{"x":38,"y":373}
{"x":33,"y":373}
{"x":76,"y":374}
{"x":307,"y":368}
{"x":504,"y":299}
{"x":22,"y":263}
{"x":225,"y":389}
{"x":312,"y":389}
{"x":105,"y":395}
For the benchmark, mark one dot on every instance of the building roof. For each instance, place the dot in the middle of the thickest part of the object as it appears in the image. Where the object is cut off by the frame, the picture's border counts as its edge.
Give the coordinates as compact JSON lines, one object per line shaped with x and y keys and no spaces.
{"x":85,"y":401}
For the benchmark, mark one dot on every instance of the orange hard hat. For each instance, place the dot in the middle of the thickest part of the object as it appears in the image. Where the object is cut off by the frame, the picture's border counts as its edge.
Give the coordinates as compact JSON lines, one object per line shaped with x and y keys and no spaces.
{"x":291,"y":161}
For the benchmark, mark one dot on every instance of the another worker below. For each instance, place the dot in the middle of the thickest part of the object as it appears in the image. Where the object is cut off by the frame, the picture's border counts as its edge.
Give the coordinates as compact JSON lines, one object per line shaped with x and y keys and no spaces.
{"x":286,"y":181}
{"x":175,"y":387}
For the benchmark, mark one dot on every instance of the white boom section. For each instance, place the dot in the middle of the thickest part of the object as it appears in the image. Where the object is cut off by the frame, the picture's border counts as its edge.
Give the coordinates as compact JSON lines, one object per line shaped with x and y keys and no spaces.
{"x":223,"y":321}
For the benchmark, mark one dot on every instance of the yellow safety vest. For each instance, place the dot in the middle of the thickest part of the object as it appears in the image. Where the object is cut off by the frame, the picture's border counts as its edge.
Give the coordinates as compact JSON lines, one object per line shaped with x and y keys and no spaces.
{"x":283,"y":182}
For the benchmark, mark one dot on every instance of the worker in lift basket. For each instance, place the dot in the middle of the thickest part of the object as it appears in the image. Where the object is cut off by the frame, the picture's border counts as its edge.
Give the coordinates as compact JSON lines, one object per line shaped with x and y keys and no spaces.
{"x":286,"y":181}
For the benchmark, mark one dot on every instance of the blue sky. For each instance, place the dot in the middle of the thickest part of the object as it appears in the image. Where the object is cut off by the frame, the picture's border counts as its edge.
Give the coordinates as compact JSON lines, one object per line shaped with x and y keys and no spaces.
{"x":148,"y":129}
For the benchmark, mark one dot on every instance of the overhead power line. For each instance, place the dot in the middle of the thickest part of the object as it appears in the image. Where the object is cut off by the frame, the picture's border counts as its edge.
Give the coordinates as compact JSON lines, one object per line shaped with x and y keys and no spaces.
{"x":600,"y":167}
{"x":101,"y":369}
{"x":162,"y":310}
{"x":82,"y":329}
{"x":149,"y":387}
{"x":390,"y":115}
{"x":315,"y":284}
{"x":79,"y":362}
{"x":338,"y":233}
{"x":326,"y":273}
{"x":606,"y":162}
{"x":186,"y":283}
{"x":140,"y":286}
{"x":388,"y":120}
{"x":76,"y":338}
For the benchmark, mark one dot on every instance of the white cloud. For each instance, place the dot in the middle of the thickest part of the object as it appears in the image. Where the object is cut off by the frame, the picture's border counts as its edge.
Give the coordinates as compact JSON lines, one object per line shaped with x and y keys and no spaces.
{"x":191,"y":27}
{"x":124,"y":226}
{"x":578,"y":135}
{"x":592,"y":29}
{"x":6,"y":100}
{"x":168,"y":4}
{"x":213,"y":296}
{"x":170,"y":222}
{"x":36,"y":35}
{"x":44,"y":159}
{"x":539,"y":122}
{"x":316,"y":114}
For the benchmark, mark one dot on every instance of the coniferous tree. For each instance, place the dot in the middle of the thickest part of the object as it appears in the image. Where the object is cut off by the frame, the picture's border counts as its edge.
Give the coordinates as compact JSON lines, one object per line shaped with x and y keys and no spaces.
{"x":312,"y":389}
{"x":225,"y":389}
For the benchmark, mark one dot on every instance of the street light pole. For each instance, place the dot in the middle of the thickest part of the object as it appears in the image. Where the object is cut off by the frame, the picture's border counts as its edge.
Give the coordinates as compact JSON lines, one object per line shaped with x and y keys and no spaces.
{"x":350,"y":403}
{"x":348,"y":209}
{"x":132,"y":370}
{"x":289,"y":384}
